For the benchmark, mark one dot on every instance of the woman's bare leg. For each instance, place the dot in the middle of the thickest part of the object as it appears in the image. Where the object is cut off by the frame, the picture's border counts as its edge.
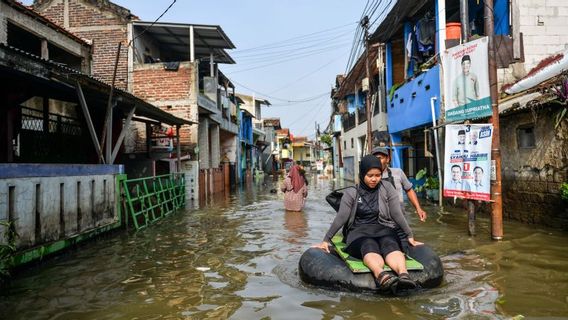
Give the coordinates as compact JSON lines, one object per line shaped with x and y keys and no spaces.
{"x":374,"y":262}
{"x":396,"y":261}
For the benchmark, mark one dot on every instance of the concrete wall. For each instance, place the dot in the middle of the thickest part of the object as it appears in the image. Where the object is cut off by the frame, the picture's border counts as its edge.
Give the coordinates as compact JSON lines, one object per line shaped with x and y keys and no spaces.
{"x":53,"y":202}
{"x":532,"y":176}
{"x":543,"y":25}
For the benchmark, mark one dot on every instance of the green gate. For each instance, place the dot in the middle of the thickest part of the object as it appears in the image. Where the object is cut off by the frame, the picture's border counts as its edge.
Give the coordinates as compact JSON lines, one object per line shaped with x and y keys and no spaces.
{"x":152,"y":198}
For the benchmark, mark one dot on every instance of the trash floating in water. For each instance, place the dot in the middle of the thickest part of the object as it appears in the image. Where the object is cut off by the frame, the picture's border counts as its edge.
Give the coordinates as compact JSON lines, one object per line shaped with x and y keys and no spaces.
{"x":203,"y":269}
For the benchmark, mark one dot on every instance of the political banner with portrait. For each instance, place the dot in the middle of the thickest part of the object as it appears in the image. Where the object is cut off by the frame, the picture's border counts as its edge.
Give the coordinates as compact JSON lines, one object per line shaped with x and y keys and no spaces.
{"x":466,"y":81}
{"x":467,"y":165}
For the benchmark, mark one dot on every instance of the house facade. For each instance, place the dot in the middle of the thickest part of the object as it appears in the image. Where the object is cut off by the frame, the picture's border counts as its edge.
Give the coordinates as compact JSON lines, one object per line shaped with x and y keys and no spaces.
{"x":528,"y":36}
{"x":174,"y":66}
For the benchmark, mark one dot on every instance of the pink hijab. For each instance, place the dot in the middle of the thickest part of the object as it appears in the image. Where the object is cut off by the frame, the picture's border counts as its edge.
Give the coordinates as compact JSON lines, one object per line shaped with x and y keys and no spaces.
{"x":296,"y":179}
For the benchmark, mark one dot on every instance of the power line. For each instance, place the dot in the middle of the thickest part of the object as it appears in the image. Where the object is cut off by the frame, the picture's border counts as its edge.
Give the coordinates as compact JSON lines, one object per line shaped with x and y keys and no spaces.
{"x":298,"y":37}
{"x":281,"y":99}
{"x":148,"y":27}
{"x":307,"y":74}
{"x":334,"y":38}
{"x":303,"y":55}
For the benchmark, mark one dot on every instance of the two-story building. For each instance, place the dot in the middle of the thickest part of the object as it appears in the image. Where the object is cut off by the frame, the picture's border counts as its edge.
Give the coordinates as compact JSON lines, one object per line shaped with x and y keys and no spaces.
{"x":172,"y":65}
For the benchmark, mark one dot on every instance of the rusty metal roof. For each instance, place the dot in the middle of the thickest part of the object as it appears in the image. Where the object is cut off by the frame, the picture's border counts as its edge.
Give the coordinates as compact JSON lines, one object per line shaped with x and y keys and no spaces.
{"x":67,"y":77}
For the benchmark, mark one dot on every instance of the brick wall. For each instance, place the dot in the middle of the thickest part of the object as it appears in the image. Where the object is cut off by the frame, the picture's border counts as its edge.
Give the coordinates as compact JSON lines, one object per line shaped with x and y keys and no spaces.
{"x":532,"y":177}
{"x":54,"y":12}
{"x":172,"y":92}
{"x":104,"y":27}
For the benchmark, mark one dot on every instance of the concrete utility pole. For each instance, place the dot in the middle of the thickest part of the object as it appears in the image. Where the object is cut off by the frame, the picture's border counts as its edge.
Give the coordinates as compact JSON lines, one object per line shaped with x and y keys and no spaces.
{"x":365,"y":24}
{"x":497,"y":205}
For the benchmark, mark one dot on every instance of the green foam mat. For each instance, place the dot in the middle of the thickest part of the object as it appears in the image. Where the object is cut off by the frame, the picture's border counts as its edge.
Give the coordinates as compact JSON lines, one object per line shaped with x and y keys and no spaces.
{"x":357,"y":265}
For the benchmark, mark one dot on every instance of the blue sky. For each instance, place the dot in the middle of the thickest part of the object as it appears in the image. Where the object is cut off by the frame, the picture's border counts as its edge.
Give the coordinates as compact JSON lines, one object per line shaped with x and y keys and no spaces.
{"x":283,"y":70}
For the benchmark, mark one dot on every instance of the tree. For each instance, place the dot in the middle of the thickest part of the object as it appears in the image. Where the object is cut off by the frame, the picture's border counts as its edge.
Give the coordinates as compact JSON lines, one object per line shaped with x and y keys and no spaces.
{"x":326,"y":138}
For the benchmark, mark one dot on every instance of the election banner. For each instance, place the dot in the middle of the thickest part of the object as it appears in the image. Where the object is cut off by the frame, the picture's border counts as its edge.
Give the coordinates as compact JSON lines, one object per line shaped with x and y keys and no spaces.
{"x":467,"y":165}
{"x":466,"y":81}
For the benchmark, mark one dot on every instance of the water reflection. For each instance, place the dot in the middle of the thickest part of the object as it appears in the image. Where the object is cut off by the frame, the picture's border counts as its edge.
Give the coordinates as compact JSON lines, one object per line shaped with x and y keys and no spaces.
{"x":237,"y":257}
{"x":296,"y":225}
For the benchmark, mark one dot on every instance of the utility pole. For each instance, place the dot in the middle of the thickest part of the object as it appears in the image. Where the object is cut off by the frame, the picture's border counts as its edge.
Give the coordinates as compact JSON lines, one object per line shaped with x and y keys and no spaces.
{"x":464,"y":18}
{"x":365,"y":24}
{"x":497,"y":204}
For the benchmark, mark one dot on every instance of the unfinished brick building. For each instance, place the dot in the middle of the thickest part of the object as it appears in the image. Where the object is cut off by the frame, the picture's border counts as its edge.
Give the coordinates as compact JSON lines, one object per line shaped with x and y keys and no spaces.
{"x":166,"y":64}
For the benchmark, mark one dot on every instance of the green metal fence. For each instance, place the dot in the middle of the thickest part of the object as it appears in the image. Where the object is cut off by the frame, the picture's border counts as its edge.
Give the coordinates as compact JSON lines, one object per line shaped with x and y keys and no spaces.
{"x":152,"y":198}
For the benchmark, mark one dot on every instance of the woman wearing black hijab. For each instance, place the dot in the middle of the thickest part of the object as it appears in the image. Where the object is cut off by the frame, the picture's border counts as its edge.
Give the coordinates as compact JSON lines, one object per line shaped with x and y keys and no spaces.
{"x":372,"y":236}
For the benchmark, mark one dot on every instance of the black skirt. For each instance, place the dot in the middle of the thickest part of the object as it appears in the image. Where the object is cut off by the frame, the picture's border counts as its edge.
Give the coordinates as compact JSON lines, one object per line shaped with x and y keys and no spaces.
{"x":375,"y":231}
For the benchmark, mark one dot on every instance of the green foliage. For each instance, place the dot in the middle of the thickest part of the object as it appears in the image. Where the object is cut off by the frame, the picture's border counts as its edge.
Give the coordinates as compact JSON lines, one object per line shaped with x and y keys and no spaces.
{"x":564,"y":191}
{"x":326,"y":138}
{"x":7,"y":248}
{"x":421,"y":174}
{"x":432,"y":183}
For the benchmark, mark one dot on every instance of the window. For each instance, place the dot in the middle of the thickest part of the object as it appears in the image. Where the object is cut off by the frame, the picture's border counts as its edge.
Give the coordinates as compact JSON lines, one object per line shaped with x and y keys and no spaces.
{"x":351,"y":143}
{"x":525,"y":137}
{"x":344,"y":144}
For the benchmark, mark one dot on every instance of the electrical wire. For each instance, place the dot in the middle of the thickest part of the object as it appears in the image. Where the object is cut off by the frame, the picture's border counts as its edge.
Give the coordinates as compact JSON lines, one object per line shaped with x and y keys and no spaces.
{"x":279,"y":43}
{"x":152,"y":24}
{"x":303,"y":55}
{"x":307,"y":74}
{"x":282,"y":99}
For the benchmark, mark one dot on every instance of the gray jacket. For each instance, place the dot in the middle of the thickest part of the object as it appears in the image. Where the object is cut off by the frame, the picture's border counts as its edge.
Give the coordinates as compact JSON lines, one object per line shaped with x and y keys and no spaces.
{"x":390,"y":213}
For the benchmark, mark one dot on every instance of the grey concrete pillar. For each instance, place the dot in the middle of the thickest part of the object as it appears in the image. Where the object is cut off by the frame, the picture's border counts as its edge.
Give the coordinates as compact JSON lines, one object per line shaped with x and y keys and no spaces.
{"x":3,"y":25}
{"x":215,"y":146}
{"x":203,"y":138}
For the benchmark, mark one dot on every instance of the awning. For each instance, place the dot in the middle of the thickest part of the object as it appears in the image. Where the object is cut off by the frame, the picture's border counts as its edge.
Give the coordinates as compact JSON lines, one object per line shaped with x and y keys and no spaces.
{"x":174,"y":37}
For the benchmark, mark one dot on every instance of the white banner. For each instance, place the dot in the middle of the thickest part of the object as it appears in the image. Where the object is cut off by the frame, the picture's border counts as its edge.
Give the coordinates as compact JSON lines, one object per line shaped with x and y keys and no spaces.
{"x":466,"y":81}
{"x":467,"y":165}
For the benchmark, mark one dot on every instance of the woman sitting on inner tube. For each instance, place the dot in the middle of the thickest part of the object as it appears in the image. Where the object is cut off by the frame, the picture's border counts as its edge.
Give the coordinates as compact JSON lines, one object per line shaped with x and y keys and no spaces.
{"x":372,"y":236}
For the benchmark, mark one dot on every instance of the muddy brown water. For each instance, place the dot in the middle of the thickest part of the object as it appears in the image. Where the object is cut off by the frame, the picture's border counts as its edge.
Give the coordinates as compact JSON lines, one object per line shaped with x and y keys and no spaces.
{"x":237,"y":258}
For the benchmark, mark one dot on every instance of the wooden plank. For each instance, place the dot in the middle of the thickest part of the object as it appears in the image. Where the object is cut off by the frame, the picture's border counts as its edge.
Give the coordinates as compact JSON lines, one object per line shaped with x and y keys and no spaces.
{"x":90,"y":126}
{"x":122,"y":135}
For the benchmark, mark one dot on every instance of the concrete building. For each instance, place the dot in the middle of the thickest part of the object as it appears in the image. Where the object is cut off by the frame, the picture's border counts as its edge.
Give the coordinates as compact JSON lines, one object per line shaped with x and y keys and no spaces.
{"x":349,"y":101}
{"x":172,"y":65}
{"x":270,"y":155}
{"x":252,"y":108}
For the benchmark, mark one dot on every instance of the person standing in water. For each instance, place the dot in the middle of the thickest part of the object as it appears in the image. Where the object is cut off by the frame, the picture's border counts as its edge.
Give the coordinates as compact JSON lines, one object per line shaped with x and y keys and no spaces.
{"x":295,"y":190}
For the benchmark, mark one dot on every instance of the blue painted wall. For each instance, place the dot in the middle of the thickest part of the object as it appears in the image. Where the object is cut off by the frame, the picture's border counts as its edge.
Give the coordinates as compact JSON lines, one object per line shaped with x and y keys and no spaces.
{"x":245,"y":131}
{"x":410,"y":105}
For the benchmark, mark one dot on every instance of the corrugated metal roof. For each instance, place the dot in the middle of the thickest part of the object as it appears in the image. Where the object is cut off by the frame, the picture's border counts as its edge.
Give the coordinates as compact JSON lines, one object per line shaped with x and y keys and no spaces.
{"x":176,"y":36}
{"x":67,"y":75}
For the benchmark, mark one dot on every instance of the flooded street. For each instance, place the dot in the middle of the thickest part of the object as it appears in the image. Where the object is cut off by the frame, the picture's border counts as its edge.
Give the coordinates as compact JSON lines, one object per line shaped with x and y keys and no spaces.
{"x":238,"y":258}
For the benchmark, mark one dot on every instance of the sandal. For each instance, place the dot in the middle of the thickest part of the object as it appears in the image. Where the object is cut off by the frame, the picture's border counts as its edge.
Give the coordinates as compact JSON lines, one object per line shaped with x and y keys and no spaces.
{"x":405,"y":283}
{"x":386,"y":281}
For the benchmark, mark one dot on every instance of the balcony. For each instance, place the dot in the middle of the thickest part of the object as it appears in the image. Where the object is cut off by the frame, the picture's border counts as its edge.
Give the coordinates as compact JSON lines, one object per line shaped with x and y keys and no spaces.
{"x":410,"y":104}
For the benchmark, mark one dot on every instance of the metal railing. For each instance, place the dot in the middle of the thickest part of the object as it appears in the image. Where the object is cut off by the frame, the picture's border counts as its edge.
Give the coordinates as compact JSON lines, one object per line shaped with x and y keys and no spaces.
{"x":152,"y":198}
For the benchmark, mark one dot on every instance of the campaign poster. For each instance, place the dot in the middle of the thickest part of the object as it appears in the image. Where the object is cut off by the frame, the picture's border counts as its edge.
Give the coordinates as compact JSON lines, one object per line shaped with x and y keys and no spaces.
{"x":467,"y":165}
{"x":466,"y":81}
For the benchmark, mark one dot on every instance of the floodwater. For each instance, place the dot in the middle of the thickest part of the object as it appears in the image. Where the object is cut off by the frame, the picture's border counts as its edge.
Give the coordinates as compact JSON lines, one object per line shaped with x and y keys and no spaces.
{"x":237,"y":258}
